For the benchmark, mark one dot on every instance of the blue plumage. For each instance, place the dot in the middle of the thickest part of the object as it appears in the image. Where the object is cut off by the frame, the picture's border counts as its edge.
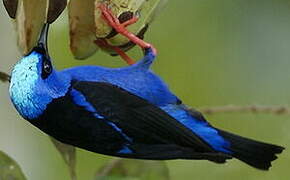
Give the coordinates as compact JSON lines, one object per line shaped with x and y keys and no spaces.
{"x":29,"y":92}
{"x":201,"y":128}
{"x":137,"y":79}
{"x":80,"y":100}
{"x":126,"y":112}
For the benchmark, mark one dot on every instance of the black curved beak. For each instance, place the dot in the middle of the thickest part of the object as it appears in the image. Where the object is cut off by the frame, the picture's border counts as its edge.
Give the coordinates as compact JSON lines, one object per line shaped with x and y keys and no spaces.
{"x":42,"y":41}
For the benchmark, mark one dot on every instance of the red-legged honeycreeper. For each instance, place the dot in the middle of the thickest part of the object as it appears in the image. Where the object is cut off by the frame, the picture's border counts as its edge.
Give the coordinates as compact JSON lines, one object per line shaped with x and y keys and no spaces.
{"x":125,"y":112}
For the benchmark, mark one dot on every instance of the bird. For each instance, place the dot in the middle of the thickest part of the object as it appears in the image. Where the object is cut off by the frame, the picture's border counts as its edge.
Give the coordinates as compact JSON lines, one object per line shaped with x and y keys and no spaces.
{"x":126,"y":112}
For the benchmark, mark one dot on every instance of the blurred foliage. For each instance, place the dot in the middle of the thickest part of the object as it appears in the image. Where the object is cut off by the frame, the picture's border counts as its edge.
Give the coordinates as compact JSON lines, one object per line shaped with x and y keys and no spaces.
{"x":68,"y":154}
{"x":211,"y":53}
{"x":9,"y":169}
{"x":128,"y":169}
{"x":4,"y":77}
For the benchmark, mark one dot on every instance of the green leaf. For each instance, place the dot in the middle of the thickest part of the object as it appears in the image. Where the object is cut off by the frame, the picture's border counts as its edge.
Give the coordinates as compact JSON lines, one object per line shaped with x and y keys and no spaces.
{"x":68,"y":154}
{"x":129,"y":169}
{"x":9,"y":169}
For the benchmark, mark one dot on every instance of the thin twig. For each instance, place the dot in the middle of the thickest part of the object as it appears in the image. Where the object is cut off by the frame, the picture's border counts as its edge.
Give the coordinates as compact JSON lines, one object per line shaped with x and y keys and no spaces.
{"x":278,"y":110}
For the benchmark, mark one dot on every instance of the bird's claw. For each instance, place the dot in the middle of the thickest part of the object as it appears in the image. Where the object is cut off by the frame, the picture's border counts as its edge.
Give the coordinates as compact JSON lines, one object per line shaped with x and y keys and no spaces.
{"x":114,"y":22}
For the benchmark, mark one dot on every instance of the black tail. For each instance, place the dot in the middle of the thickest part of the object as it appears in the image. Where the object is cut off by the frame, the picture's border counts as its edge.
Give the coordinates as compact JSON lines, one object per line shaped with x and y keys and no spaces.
{"x":254,"y":153}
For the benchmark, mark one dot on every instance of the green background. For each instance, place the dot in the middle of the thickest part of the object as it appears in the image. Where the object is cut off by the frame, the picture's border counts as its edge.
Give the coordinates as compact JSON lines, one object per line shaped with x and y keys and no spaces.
{"x":211,"y":53}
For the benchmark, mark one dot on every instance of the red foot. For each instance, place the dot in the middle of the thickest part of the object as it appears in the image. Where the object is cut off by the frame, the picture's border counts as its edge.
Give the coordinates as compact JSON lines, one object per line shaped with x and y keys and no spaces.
{"x":130,"y":21}
{"x":114,"y":22}
{"x":103,"y":43}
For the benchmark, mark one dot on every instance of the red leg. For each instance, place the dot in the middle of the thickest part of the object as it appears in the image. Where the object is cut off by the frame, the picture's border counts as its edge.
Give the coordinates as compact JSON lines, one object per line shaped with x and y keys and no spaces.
{"x":130,"y":21}
{"x":120,"y":28}
{"x":124,"y":56}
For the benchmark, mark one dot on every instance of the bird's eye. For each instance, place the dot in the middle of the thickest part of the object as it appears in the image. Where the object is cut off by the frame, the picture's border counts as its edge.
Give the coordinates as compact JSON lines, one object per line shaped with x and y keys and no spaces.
{"x":46,"y":68}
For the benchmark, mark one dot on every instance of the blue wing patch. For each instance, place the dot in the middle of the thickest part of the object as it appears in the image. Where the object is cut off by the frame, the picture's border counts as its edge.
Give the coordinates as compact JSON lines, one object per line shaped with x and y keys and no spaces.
{"x":125,"y":150}
{"x":200,"y":128}
{"x":120,"y":131}
{"x":80,"y":100}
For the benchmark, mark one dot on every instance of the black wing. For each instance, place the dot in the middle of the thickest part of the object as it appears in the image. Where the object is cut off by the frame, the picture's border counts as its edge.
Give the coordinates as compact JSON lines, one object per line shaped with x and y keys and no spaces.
{"x":144,"y":122}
